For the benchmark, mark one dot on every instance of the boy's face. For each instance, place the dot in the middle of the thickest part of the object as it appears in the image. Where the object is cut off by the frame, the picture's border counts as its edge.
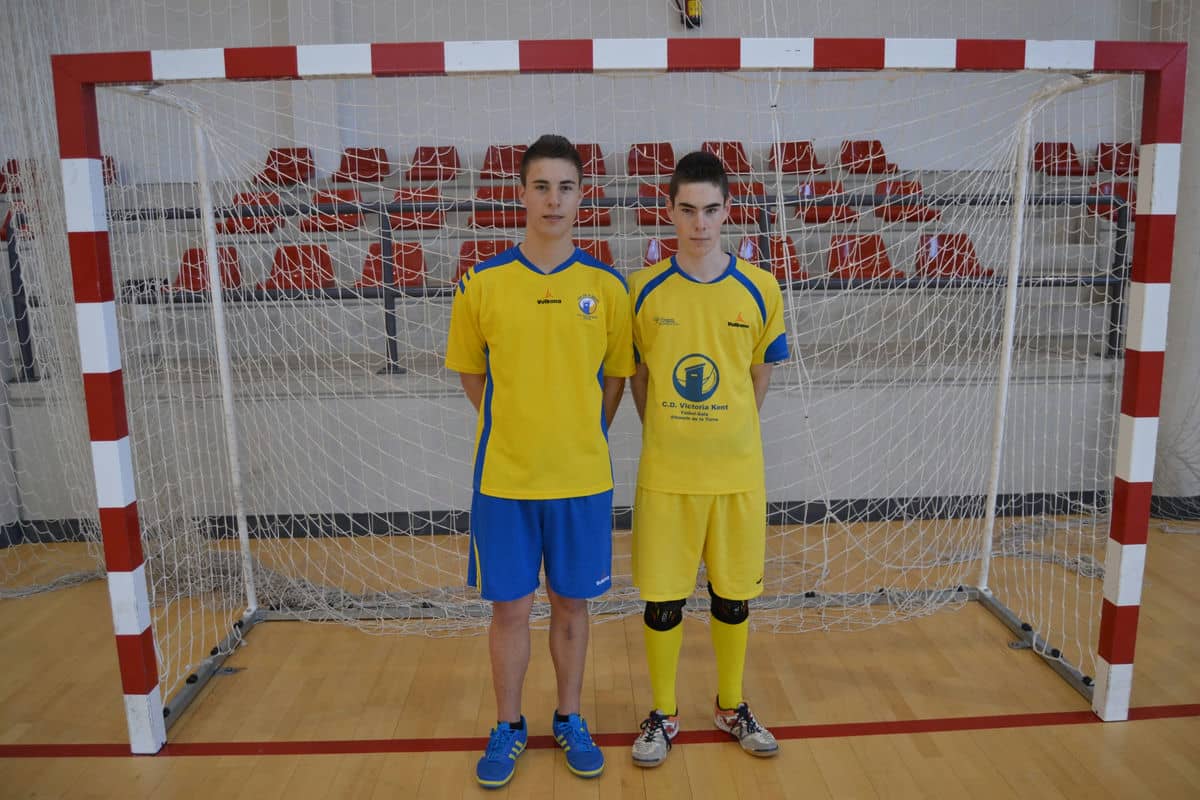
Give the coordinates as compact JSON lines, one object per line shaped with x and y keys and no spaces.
{"x":698,"y":212}
{"x":551,"y":196}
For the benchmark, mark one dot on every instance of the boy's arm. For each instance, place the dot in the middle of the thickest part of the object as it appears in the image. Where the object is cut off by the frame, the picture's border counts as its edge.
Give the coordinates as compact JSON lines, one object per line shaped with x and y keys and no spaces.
{"x":473,"y":386}
{"x":638,"y":383}
{"x":614,"y":390}
{"x":760,"y":376}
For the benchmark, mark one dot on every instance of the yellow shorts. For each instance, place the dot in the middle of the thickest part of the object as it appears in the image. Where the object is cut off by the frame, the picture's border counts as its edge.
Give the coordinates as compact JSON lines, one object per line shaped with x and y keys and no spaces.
{"x":671,"y":532}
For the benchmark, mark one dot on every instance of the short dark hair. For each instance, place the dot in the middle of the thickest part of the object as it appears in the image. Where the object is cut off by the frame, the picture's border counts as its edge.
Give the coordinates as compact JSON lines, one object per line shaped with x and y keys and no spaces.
{"x":699,"y":167}
{"x":551,"y":145}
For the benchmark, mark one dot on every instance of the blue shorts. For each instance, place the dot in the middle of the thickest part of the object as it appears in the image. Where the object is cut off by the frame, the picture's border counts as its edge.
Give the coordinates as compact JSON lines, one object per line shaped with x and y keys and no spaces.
{"x":509,"y":539}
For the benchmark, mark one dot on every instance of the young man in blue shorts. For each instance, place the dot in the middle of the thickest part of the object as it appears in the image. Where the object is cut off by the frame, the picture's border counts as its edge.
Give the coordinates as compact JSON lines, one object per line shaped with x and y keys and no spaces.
{"x":541,"y":337}
{"x":707,"y":326}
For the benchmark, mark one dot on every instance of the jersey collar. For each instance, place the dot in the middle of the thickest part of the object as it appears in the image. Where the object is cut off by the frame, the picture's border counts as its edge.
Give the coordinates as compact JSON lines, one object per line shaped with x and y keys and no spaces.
{"x":571,"y":259}
{"x":728,"y":271}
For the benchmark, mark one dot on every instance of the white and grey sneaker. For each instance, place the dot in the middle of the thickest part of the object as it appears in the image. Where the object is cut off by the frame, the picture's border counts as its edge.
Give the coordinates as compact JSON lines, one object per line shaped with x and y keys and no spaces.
{"x":740,"y":724}
{"x":652,"y":745}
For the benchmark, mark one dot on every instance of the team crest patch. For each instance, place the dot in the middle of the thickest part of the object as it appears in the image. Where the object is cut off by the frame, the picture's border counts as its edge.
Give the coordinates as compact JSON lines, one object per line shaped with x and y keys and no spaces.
{"x":588,"y":304}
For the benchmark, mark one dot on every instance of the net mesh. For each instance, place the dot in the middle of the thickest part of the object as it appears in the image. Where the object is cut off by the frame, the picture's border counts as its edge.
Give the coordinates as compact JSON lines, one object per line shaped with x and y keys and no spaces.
{"x":878,"y":430}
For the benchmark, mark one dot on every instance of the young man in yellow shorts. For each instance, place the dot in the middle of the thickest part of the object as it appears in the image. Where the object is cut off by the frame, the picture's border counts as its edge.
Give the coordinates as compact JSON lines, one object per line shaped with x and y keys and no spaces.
{"x":540,"y":335}
{"x":707,"y":327}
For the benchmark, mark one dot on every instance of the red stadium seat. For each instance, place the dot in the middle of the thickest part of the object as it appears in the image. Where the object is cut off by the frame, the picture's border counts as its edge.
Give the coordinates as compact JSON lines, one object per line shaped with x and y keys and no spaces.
{"x":783,"y":263}
{"x":363,"y":164}
{"x":813,"y":214}
{"x":658,"y":249}
{"x":653,"y":214}
{"x":907,"y":210}
{"x":328,"y":221}
{"x":593,"y":160}
{"x":300,"y":266}
{"x":597,"y":216}
{"x":1115,"y":189}
{"x":949,"y":255}
{"x":795,"y":158}
{"x":508,"y":217}
{"x":408,"y":266}
{"x":651,"y":158}
{"x":598,"y":249}
{"x":108,"y":169}
{"x":476,"y":250}
{"x":432,"y":163}
{"x":258,"y":224}
{"x":860,"y":257}
{"x":287,"y":166}
{"x":6,"y":226}
{"x":503,"y":160}
{"x":865,"y":157}
{"x":1119,"y":158}
{"x":732,"y":155}
{"x":747,"y":213}
{"x":417,"y":220}
{"x":11,"y":173}
{"x":1059,"y":159}
{"x":193,"y":270}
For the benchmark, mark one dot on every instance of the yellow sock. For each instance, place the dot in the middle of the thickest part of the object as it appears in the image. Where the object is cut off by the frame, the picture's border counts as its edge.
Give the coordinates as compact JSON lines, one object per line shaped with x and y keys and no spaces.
{"x":662,"y":655}
{"x":729,"y":643}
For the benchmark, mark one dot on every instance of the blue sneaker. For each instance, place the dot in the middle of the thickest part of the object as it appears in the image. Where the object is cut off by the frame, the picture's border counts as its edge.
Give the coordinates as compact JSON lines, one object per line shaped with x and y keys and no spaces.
{"x":583,"y":756}
{"x":500,"y":759}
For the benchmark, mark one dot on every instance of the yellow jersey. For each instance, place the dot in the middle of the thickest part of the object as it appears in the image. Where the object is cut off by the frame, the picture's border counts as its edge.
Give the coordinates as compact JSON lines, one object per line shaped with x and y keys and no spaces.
{"x":700,"y":429}
{"x":545,"y":341}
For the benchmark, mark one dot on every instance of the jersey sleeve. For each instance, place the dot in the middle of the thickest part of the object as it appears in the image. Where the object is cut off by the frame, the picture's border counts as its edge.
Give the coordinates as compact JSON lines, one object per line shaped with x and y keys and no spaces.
{"x":466,"y":349}
{"x":772,"y":345}
{"x":618,"y":360}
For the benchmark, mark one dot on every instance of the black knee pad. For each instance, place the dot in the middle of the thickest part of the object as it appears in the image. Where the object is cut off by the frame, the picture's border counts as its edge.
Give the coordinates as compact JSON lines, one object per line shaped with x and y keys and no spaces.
{"x":731,"y":612}
{"x":663,"y":616}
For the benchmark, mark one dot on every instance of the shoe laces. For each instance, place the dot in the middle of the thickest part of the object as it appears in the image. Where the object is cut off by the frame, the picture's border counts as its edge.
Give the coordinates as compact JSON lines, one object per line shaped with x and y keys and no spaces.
{"x":578,"y":735}
{"x":500,"y":744}
{"x":655,"y":723}
{"x":746,"y":720}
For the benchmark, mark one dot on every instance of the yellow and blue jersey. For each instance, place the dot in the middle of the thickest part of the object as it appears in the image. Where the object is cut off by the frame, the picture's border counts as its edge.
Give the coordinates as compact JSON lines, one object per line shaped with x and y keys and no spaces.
{"x":700,"y":429}
{"x":545,"y":341}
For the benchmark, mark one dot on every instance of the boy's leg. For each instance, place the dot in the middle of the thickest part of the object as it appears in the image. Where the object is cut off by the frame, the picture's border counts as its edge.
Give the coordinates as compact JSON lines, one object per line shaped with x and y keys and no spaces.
{"x":508,"y":646}
{"x":730,"y":630}
{"x":568,"y":647}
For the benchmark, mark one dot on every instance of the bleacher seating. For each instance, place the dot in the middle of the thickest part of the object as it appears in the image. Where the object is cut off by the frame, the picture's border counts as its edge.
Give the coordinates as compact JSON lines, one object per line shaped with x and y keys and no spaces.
{"x":193,"y":270}
{"x":593,"y":160}
{"x":746,"y":213}
{"x":651,"y":214}
{"x":598,"y":249}
{"x":253,"y":224}
{"x":514,"y":217}
{"x":472,"y":251}
{"x":907,"y":210}
{"x":782,"y":262}
{"x":795,"y":158}
{"x":6,"y":225}
{"x":651,"y":158}
{"x":658,"y":249}
{"x":434,"y":163}
{"x":860,"y":257}
{"x":363,"y":165}
{"x":837,"y":211}
{"x":286,"y":166}
{"x":732,"y":155}
{"x":328,"y":221}
{"x":1116,"y":189}
{"x":865,"y":157}
{"x":502,"y":161}
{"x":595,"y":216}
{"x":949,"y":255}
{"x":1119,"y":158}
{"x":1059,"y":159}
{"x":300,"y":266}
{"x":408,"y":266}
{"x":417,"y":220}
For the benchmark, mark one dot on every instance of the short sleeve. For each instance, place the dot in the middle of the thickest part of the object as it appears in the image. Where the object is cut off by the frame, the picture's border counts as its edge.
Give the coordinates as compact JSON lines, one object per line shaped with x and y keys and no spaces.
{"x":618,"y":359}
{"x":772,"y":345}
{"x":466,"y":349}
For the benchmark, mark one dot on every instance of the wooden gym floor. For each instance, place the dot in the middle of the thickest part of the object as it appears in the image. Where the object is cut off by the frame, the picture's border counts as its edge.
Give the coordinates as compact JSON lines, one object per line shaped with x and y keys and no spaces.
{"x":937,"y":706}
